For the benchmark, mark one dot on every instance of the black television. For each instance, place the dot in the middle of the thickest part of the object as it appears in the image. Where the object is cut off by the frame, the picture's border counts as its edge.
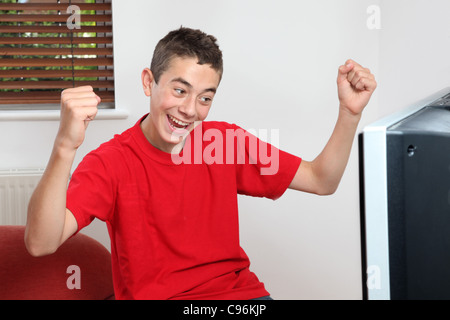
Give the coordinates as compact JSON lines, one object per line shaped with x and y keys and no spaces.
{"x":404,"y":169}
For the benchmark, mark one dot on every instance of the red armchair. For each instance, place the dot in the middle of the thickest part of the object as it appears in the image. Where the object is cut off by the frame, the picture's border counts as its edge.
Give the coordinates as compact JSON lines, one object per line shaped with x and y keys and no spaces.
{"x":79,"y":270}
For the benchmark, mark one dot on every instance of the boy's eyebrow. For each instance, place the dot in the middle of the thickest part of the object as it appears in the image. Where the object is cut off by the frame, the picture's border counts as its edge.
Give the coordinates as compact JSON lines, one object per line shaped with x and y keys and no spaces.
{"x":187,"y":84}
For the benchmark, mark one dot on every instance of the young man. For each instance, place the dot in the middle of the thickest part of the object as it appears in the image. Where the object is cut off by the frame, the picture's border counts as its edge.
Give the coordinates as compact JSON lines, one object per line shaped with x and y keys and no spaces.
{"x":174,"y":226}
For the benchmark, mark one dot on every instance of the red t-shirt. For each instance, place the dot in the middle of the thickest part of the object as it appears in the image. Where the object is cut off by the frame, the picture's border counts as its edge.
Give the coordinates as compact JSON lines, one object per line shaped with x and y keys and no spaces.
{"x":174,"y":226}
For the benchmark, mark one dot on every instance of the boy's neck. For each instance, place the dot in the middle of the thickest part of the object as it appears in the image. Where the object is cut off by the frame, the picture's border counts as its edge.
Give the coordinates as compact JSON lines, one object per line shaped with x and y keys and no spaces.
{"x":155,"y":140}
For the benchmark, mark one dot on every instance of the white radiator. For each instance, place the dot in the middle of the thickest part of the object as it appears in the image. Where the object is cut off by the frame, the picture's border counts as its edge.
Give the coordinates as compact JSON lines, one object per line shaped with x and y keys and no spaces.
{"x":16,"y":188}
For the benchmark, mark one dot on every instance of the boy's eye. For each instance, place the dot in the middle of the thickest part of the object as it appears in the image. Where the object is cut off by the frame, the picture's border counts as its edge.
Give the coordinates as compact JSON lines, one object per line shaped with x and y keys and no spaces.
{"x":179,"y":91}
{"x":206,"y":99}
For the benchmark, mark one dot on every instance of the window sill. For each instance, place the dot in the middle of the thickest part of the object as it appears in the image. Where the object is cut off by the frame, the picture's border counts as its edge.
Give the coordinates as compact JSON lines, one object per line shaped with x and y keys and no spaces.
{"x":54,"y":115}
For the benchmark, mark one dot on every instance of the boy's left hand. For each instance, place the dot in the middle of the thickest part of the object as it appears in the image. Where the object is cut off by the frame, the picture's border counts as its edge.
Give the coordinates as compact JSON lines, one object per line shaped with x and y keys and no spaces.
{"x":355,"y":87}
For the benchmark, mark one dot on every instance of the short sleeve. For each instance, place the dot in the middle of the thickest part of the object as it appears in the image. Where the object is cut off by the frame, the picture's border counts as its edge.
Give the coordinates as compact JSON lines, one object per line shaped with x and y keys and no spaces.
{"x":262,"y":170}
{"x":90,"y":192}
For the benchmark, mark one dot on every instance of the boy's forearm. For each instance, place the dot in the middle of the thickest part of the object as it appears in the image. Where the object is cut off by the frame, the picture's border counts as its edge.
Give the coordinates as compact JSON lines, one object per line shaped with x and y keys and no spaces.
{"x":47,"y":206}
{"x":330,"y":165}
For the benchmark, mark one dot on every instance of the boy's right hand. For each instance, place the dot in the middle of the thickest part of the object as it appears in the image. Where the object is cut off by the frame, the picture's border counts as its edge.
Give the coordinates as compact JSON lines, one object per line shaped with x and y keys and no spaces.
{"x":78,"y":108}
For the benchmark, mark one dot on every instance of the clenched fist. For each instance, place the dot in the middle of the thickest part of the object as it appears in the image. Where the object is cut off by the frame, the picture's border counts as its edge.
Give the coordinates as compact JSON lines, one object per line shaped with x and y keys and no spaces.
{"x":78,"y":108}
{"x":355,"y":87}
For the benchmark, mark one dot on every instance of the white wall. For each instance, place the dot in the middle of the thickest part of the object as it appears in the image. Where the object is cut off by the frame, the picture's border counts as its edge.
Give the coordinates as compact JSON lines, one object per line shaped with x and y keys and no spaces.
{"x":281,"y":61}
{"x":415,"y":42}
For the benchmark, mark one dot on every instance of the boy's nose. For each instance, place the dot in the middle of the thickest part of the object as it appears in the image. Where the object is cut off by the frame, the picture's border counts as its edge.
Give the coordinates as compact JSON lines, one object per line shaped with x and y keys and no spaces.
{"x":187,"y":109}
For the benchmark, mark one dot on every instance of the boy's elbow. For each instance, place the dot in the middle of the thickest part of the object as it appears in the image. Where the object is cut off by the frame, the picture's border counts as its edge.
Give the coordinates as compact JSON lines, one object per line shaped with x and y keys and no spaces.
{"x":325,"y":193}
{"x":320,"y":182}
{"x":35,"y":249}
{"x":326,"y":190}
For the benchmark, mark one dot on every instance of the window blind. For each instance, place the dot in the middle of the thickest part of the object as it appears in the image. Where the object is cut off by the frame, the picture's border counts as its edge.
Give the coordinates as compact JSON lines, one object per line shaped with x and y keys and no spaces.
{"x":45,"y":47}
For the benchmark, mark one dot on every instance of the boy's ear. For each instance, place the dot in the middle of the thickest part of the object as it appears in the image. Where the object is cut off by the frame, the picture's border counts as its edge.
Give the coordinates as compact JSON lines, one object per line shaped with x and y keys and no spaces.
{"x":147,"y":81}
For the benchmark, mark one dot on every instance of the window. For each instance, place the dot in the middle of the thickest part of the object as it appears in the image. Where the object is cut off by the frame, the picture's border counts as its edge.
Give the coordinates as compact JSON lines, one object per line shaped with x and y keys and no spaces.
{"x":48,"y":45}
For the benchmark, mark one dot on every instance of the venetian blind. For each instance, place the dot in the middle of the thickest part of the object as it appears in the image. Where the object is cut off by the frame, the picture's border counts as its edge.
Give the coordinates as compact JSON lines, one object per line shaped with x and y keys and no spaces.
{"x":47,"y":46}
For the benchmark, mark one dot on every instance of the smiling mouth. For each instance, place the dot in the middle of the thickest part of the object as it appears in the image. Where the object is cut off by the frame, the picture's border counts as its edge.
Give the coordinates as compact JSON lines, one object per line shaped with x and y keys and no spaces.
{"x":177,"y":124}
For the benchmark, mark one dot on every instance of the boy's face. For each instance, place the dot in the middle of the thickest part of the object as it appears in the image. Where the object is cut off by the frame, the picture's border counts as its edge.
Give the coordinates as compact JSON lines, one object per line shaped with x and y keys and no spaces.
{"x":183,"y":95}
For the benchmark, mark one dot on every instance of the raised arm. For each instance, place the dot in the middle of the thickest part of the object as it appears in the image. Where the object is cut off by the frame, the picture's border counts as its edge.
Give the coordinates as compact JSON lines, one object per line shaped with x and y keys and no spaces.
{"x":49,"y":223}
{"x":323,"y":175}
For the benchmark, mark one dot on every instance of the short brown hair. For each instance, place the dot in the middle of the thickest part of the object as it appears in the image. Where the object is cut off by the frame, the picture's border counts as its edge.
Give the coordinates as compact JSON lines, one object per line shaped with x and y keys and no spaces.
{"x":189,"y":43}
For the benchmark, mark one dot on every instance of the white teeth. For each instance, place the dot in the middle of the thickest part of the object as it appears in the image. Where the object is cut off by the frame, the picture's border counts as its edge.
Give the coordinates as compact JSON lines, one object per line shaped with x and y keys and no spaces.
{"x":181,"y":123}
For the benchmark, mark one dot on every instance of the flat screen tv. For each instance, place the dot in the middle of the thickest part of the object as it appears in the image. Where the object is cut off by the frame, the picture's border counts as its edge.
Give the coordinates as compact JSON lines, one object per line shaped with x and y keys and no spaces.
{"x":405,"y":203}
